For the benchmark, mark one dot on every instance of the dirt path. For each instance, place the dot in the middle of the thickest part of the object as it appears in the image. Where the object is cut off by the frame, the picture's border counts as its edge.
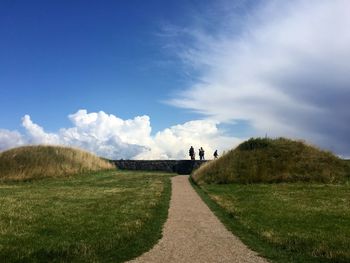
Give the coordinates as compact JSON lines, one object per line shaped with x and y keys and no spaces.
{"x":192,"y":233}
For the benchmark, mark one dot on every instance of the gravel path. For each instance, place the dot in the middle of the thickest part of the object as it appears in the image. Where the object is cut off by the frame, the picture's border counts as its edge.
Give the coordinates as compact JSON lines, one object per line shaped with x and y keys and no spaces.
{"x":192,"y":233}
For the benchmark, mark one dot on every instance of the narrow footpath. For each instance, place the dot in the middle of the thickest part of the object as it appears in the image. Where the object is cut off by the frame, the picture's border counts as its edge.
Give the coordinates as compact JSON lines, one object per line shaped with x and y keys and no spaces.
{"x":192,"y":233}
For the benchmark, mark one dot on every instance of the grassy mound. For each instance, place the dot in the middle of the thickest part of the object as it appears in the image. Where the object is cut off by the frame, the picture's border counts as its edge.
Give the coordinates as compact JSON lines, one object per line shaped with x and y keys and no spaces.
{"x":34,"y":162}
{"x":273,"y":160}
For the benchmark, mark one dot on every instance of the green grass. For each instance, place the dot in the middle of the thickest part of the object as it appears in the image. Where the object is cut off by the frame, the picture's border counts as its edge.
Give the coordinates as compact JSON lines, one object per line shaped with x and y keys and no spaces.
{"x":99,"y":217}
{"x":286,"y":222}
{"x":265,"y":160}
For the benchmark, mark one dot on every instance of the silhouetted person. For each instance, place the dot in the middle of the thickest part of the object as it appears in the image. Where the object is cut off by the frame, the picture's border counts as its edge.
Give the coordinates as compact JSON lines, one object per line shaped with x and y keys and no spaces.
{"x":201,"y":154}
{"x":191,"y":153}
{"x":216,"y":154}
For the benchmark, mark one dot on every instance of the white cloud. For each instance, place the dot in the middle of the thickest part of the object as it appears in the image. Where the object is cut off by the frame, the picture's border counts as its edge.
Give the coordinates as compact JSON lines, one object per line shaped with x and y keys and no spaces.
{"x":115,"y":138}
{"x":9,"y":139}
{"x":36,"y":134}
{"x":286,"y":71}
{"x":107,"y":135}
{"x":174,"y":142}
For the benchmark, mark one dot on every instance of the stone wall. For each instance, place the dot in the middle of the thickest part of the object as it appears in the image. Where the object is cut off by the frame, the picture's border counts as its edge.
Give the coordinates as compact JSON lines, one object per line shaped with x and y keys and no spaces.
{"x":173,"y":166}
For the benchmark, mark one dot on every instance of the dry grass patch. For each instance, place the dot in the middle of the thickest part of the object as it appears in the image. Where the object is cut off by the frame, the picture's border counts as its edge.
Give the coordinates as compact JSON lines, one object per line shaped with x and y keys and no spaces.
{"x":274,"y":160}
{"x":34,"y":162}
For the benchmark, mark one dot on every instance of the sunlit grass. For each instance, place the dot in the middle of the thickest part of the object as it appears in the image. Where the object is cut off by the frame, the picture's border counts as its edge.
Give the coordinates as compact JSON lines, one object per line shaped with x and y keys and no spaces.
{"x":102,"y":217}
{"x":35,"y":162}
{"x":274,"y":160}
{"x":287,"y":222}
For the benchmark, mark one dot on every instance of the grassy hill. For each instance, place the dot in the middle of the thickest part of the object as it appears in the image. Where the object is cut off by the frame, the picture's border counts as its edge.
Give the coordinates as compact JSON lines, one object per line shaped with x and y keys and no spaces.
{"x":274,"y":160}
{"x":292,"y":221}
{"x":32,"y":162}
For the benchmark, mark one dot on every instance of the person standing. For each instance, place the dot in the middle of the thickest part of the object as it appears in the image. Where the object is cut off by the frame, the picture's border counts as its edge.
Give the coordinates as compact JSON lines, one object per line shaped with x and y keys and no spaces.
{"x":191,"y":153}
{"x":201,"y":153}
{"x":216,"y":154}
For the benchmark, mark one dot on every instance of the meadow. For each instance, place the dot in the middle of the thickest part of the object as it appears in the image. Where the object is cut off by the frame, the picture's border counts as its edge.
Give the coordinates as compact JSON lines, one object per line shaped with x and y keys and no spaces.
{"x":294,"y":222}
{"x":107,"y":216}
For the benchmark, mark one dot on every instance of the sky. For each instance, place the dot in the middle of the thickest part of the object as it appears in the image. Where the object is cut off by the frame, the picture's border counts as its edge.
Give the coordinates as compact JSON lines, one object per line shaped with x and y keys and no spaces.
{"x":148,"y":79}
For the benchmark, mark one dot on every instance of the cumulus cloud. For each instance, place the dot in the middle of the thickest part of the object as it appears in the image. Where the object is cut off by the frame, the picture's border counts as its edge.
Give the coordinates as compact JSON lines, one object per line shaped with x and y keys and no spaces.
{"x":36,"y":134}
{"x":173,"y":142}
{"x":284,"y":68}
{"x":107,"y":135}
{"x":10,"y":139}
{"x":115,"y":138}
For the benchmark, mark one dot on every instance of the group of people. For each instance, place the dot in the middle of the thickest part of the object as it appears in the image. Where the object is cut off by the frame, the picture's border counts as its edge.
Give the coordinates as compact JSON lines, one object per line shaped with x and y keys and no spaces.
{"x":200,"y":153}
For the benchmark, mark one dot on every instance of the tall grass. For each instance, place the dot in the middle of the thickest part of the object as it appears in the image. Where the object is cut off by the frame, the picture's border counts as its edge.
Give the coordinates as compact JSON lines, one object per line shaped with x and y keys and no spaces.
{"x":274,"y":160}
{"x":33,"y":162}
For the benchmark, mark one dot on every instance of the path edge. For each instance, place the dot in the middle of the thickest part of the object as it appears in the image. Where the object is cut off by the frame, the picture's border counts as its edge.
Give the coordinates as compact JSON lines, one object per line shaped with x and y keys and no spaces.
{"x":234,"y":227}
{"x":159,"y":220}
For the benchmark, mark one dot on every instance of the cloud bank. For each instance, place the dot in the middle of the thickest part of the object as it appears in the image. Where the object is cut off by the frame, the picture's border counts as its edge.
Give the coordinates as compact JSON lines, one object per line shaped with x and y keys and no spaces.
{"x":111,"y":137}
{"x":284,"y":68}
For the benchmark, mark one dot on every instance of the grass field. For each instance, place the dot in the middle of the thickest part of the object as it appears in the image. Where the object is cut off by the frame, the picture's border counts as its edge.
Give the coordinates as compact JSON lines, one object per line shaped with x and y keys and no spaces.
{"x":286,"y":222}
{"x":98,"y":217}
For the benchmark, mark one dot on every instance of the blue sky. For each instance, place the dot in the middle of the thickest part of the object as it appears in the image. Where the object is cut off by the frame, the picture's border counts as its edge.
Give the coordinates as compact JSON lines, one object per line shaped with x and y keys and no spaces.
{"x":147,"y":79}
{"x":60,"y":56}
